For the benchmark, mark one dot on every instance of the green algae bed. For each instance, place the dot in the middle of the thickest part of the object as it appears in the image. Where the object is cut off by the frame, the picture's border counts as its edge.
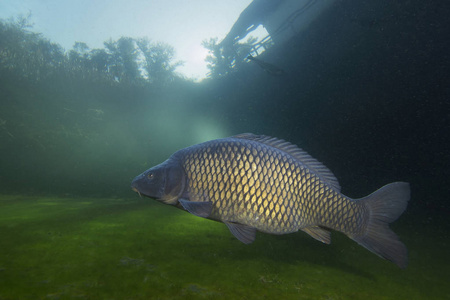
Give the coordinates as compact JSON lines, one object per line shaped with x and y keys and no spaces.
{"x":90,"y":248}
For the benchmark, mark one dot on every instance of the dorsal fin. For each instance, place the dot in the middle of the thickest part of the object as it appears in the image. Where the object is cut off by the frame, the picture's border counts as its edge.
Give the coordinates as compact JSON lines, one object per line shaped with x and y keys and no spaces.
{"x":298,"y":154}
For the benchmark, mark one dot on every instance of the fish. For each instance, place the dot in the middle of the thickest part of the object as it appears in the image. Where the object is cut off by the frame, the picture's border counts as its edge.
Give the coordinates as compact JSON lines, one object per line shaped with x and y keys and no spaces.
{"x":259,"y":183}
{"x":269,"y":68}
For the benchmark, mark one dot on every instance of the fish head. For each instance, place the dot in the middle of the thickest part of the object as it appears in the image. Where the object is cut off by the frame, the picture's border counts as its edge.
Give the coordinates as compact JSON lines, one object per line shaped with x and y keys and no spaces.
{"x":164,"y":182}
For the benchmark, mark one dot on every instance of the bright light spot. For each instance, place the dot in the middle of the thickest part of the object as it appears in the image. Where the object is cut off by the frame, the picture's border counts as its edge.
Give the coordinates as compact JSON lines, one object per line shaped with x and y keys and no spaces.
{"x":174,"y":124}
{"x":199,"y":54}
{"x":205,"y":129}
{"x":194,"y":62}
{"x":260,"y":32}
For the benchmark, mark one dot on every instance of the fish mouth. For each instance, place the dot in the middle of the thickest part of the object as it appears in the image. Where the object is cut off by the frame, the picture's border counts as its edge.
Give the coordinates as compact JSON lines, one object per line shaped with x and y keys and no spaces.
{"x":136,"y":190}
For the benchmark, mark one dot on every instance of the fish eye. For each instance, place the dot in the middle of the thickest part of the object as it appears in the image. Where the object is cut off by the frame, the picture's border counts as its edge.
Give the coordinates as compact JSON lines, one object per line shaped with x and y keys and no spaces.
{"x":150,"y":175}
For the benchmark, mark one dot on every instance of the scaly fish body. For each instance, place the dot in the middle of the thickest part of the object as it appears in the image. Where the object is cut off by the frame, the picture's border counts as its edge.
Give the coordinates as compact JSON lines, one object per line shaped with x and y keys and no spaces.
{"x":263,"y":187}
{"x":252,"y":182}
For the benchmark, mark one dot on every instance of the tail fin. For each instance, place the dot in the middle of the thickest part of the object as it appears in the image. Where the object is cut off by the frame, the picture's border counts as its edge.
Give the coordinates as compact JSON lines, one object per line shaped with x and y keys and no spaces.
{"x":385,"y":206}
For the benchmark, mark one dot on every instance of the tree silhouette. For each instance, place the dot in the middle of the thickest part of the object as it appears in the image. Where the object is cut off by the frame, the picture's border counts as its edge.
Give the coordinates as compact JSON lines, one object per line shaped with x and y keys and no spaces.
{"x":27,"y":54}
{"x":158,"y":61}
{"x":78,"y":57}
{"x":99,"y":60}
{"x":133,"y":61}
{"x":122,"y":62}
{"x":223,"y":61}
{"x":218,"y":64}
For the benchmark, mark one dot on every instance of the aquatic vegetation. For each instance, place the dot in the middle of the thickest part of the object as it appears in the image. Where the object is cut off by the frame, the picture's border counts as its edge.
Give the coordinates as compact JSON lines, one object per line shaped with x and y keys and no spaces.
{"x":65,"y":248}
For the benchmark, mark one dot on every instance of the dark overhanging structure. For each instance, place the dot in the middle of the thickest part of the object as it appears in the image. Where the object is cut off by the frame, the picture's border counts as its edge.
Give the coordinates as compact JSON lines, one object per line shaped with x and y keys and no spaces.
{"x":282,"y":19}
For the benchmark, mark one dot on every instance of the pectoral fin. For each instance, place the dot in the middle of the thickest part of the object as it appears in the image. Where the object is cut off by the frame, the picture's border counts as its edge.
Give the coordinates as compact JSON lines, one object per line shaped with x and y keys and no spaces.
{"x":200,"y":209}
{"x":244,"y":233}
{"x":319,"y":234}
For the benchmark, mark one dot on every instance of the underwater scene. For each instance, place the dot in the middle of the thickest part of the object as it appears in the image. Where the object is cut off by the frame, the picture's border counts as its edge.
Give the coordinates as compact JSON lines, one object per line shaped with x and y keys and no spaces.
{"x":291,"y":149}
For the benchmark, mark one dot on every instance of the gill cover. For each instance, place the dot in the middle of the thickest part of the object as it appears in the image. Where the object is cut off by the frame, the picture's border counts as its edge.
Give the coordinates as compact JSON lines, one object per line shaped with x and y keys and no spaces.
{"x":175,"y":181}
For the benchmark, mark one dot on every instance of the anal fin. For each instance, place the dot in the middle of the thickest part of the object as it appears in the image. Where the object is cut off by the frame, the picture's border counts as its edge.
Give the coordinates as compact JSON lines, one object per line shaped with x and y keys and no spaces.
{"x":319,"y":233}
